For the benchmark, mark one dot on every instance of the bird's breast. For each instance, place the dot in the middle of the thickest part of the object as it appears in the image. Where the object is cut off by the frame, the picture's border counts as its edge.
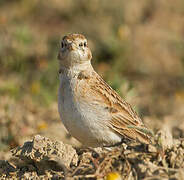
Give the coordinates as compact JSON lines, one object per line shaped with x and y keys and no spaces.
{"x":84,"y":119}
{"x":73,"y":113}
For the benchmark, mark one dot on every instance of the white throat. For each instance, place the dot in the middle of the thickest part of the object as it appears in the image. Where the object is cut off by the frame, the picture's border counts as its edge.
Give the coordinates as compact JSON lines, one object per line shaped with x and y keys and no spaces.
{"x":76,"y":68}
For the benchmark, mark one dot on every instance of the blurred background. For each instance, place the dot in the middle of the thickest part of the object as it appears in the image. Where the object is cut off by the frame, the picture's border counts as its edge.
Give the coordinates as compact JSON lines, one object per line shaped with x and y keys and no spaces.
{"x":137,"y":46}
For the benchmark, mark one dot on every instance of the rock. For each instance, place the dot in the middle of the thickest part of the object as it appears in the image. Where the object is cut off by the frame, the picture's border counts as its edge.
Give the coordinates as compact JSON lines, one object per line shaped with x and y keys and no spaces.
{"x":43,"y":158}
{"x":152,"y":148}
{"x":164,"y":138}
{"x":42,"y":150}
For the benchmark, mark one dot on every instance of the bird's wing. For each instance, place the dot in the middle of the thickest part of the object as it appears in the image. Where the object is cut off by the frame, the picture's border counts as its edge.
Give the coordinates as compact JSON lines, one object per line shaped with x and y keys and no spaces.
{"x":125,"y":120}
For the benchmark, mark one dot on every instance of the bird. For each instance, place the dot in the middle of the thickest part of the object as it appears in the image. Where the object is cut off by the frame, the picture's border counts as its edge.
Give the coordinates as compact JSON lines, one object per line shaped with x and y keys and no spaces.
{"x":91,"y":111}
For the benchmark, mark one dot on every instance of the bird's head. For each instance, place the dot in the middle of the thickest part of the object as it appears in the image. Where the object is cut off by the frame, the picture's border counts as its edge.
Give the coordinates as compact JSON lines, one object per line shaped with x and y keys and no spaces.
{"x":74,"y":51}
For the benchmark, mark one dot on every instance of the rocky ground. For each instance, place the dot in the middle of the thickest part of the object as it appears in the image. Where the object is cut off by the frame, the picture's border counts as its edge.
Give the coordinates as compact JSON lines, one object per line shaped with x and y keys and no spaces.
{"x":42,"y":158}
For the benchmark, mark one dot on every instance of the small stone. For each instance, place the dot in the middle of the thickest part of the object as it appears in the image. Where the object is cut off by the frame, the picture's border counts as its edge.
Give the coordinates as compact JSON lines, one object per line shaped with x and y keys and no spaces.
{"x":152,"y":148}
{"x":43,"y":149}
{"x":164,"y":137}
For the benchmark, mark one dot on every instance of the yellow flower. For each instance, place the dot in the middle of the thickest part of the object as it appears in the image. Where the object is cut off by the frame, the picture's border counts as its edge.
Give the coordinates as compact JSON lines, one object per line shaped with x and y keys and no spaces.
{"x":113,"y":176}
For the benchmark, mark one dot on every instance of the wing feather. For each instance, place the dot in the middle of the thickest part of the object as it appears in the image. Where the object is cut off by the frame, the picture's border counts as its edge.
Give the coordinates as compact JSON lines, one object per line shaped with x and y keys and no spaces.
{"x":125,"y":120}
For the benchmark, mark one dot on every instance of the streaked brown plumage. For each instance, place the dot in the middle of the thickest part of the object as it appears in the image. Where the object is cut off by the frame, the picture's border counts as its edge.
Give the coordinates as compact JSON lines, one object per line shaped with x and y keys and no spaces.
{"x":106,"y":118}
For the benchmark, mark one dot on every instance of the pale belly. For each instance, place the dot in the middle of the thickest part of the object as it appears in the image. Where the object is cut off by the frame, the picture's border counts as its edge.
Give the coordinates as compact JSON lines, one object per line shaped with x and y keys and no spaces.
{"x":83,"y":121}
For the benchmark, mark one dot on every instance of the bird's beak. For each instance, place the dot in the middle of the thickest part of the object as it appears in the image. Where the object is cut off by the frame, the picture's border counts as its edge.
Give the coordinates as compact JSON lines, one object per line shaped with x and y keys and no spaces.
{"x":70,"y":46}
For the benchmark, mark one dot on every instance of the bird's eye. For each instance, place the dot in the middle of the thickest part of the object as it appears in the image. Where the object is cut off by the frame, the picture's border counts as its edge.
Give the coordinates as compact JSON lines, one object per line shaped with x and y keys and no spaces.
{"x":85,"y":44}
{"x":62,"y":45}
{"x":81,"y":44}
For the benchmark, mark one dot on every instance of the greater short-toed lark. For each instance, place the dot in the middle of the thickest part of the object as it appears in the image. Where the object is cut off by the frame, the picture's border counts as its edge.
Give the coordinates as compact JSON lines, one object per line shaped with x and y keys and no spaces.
{"x":89,"y":108}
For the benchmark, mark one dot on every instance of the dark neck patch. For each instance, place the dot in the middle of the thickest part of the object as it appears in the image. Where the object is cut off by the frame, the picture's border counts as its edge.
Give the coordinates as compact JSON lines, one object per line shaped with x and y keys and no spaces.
{"x":83,"y":75}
